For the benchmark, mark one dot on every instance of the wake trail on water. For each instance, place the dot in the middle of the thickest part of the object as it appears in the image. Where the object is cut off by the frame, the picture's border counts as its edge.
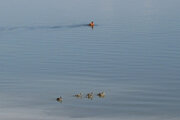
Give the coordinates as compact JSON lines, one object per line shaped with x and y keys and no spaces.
{"x":53,"y":27}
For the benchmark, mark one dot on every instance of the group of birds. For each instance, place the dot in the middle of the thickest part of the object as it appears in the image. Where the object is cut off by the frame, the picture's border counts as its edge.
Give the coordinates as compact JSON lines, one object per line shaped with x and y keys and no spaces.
{"x":80,"y":95}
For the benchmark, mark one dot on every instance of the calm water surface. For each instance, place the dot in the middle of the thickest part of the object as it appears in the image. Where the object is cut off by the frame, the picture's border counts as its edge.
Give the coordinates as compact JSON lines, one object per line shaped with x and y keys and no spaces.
{"x":47,"y":51}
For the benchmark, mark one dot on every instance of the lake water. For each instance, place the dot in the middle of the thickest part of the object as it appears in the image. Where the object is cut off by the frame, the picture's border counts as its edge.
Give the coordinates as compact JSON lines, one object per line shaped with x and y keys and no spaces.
{"x":47,"y":50}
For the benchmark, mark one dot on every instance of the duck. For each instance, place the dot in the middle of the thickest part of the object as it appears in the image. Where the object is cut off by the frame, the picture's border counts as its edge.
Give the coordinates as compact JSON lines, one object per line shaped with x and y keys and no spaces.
{"x":91,"y":24}
{"x":59,"y":99}
{"x":78,"y":95}
{"x":89,"y":95}
{"x":101,"y":94}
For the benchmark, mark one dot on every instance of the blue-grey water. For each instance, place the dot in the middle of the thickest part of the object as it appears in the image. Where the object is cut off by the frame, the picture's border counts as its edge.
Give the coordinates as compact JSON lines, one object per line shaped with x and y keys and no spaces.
{"x":47,"y":50}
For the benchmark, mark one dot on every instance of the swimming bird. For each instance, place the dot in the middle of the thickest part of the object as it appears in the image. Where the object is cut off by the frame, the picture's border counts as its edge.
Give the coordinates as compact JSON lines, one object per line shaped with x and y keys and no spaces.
{"x":91,"y":24}
{"x":101,"y":94}
{"x":60,"y":99}
{"x":78,"y":95}
{"x":89,"y":95}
